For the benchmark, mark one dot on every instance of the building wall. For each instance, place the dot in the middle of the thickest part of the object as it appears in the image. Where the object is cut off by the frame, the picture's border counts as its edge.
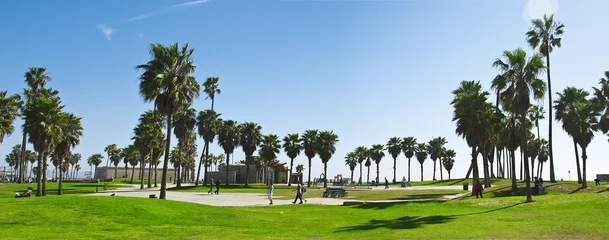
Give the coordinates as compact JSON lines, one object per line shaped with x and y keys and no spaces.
{"x":108,"y":173}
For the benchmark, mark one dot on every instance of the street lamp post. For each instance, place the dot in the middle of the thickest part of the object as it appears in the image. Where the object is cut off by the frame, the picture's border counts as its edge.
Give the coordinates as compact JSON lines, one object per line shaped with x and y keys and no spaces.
{"x":569,"y":175}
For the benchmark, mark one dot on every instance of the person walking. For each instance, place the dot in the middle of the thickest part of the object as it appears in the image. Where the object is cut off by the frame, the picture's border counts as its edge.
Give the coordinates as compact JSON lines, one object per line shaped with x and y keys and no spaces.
{"x":217,"y":187}
{"x":478,"y":188}
{"x":271,"y":188}
{"x":386,"y":184}
{"x":211,"y":187}
{"x":299,"y":190}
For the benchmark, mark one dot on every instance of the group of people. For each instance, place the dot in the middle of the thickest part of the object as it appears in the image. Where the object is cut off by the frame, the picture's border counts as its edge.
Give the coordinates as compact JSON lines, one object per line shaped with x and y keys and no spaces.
{"x":27,"y":193}
{"x":300,"y":190}
{"x":538,"y":185}
{"x":211,"y":187}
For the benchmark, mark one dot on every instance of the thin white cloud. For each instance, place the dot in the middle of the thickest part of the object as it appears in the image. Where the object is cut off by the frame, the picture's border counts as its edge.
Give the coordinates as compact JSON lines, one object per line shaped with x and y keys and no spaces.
{"x":107,"y":31}
{"x":140,"y":17}
{"x":190,"y":3}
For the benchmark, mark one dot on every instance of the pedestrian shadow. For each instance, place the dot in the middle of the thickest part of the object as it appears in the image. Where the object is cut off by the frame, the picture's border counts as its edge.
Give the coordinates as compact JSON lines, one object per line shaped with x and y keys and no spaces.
{"x":406,"y":222}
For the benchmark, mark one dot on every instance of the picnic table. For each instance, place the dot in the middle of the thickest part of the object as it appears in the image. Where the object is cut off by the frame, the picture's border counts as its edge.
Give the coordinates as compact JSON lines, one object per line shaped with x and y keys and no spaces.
{"x":333,"y":192}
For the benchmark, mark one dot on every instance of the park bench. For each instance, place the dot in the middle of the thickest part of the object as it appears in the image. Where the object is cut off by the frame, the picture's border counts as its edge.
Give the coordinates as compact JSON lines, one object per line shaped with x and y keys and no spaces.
{"x":335,"y":193}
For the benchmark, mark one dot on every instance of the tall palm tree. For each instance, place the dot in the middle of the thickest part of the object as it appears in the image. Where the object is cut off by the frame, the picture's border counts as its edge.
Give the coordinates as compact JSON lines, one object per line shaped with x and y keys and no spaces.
{"x":435,"y":147}
{"x":601,"y":101}
{"x":269,"y":148}
{"x":361,"y":157}
{"x":36,"y":79}
{"x":563,"y":106}
{"x":409,"y":146}
{"x":448,"y":160}
{"x":185,"y":120}
{"x":250,"y":139}
{"x":522,"y":76}
{"x":116,"y":157}
{"x":228,"y":139}
{"x":9,"y":110}
{"x":535,"y":114}
{"x":583,"y":119}
{"x":377,"y":154}
{"x":545,"y":35}
{"x":351,"y":161}
{"x":109,"y":150}
{"x":394,"y":147}
{"x":367,"y":164}
{"x":210,"y":87}
{"x":43,"y":118}
{"x":71,"y":131}
{"x":421,"y":154}
{"x":326,"y":147}
{"x":309,"y":139}
{"x":208,"y":124}
{"x":292,"y":147}
{"x":168,"y":81}
{"x":95,"y":160}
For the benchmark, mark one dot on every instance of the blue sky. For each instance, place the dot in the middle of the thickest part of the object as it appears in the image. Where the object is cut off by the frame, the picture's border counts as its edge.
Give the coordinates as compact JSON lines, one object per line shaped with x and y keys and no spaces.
{"x":368,"y":70}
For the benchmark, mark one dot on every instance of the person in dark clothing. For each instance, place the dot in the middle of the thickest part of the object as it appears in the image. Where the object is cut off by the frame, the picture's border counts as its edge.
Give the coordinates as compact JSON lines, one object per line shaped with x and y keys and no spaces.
{"x":478,"y":188}
{"x":299,"y":189}
{"x":217,"y":187}
{"x":211,"y":186}
{"x":386,"y":184}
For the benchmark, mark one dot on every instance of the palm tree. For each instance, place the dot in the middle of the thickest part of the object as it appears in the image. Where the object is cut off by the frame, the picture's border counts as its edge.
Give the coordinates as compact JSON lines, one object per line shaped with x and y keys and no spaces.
{"x":43,"y":118}
{"x":185,"y":120}
{"x":77,"y":168}
{"x":30,"y":157}
{"x":542,"y":156}
{"x":521,"y":74}
{"x":351,"y":161}
{"x":95,"y":160}
{"x":394,"y":147}
{"x":421,"y":155}
{"x":269,"y":148}
{"x":13,"y":157}
{"x":367,"y":164}
{"x":448,"y":160}
{"x":73,"y":159}
{"x":250,"y":139}
{"x":435,"y":147}
{"x":9,"y":109}
{"x":299,"y":168}
{"x":208,"y":124}
{"x":409,"y":146}
{"x":167,"y":80}
{"x":361,"y":156}
{"x":535,"y":114}
{"x":545,"y":35}
{"x":210,"y":87}
{"x":228,"y":139}
{"x":292,"y":147}
{"x":309,"y":139}
{"x":326,"y":147}
{"x":533,"y":148}
{"x":36,"y":79}
{"x":109,"y":150}
{"x":563,"y":106}
{"x":601,"y":101}
{"x":133,"y":159}
{"x":71,"y":130}
{"x":377,"y":154}
{"x":583,"y":118}
{"x":116,"y":157}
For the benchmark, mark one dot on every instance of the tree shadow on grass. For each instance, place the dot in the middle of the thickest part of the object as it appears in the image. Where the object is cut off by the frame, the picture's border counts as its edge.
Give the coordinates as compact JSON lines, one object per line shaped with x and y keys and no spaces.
{"x":406,"y":222}
{"x":602,"y":191}
{"x":384,"y":205}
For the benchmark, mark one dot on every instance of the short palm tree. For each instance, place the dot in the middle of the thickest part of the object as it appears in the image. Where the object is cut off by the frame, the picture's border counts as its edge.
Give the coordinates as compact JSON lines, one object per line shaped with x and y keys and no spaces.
{"x":563,"y":106}
{"x":71,"y":131}
{"x":292,"y":147}
{"x":269,"y":148}
{"x":208,"y":125}
{"x":361,"y":157}
{"x":367,"y":164}
{"x":394,"y":147}
{"x":326,"y":147}
{"x":210,"y":87}
{"x":545,"y":35}
{"x":109,"y":150}
{"x":309,"y":139}
{"x":250,"y":139}
{"x":533,"y":149}
{"x":95,"y":160}
{"x":421,"y":154}
{"x":448,"y":160}
{"x":522,"y":76}
{"x":435,"y":147}
{"x":116,"y":158}
{"x":228,"y":139}
{"x":409,"y":146}
{"x":377,"y":154}
{"x":542,"y":156}
{"x":167,"y":81}
{"x":9,"y":110}
{"x":351,"y":161}
{"x":535,"y":114}
{"x":299,"y":168}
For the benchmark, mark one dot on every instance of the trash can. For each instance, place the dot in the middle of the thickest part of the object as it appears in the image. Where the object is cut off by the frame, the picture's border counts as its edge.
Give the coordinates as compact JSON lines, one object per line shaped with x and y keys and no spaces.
{"x":465,"y":187}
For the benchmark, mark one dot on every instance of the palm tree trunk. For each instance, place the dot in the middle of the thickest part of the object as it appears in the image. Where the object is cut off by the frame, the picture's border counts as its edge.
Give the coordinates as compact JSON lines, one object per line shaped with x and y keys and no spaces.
{"x":142,"y":167}
{"x":377,"y":173}
{"x":368,"y":176}
{"x":521,"y":161}
{"x":290,"y":177}
{"x":59,"y":187}
{"x":206,"y":163}
{"x":421,"y":172}
{"x":552,"y":176}
{"x":23,"y":155}
{"x":126,"y":170}
{"x":360,"y":174}
{"x":539,"y":168}
{"x":309,"y":179}
{"x":95,"y":173}
{"x":150,"y":171}
{"x":326,"y":176}
{"x":584,"y":158}
{"x":579,"y":175}
{"x":179,"y":176}
{"x":485,"y":161}
{"x":434,"y":170}
{"x":39,"y":175}
{"x":409,"y":169}
{"x":440,"y":164}
{"x":532,"y":167}
{"x":448,"y":175}
{"x":352,"y":176}
{"x":475,"y":173}
{"x":115,"y":171}
{"x":44,"y":174}
{"x":155,"y":173}
{"x":394,"y":162}
{"x":200,"y":163}
{"x":227,"y":160}
{"x":527,"y":178}
{"x":247,"y":171}
{"x":166,"y":162}
{"x":132,"y":173}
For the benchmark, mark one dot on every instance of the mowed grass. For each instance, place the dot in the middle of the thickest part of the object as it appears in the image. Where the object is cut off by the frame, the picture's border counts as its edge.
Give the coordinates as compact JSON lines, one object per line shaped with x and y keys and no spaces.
{"x":9,"y":190}
{"x":564,"y":216}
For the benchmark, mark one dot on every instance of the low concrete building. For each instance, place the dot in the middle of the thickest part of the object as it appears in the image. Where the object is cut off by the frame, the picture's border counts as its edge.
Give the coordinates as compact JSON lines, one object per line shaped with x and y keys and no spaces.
{"x":109,"y":172}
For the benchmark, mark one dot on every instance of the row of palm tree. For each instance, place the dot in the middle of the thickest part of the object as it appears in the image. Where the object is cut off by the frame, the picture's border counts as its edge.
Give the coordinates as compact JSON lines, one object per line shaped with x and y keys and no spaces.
{"x":395,"y":146}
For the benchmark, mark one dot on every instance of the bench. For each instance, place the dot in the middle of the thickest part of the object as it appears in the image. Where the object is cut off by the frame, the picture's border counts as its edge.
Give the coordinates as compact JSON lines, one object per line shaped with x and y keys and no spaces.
{"x":335,"y":193}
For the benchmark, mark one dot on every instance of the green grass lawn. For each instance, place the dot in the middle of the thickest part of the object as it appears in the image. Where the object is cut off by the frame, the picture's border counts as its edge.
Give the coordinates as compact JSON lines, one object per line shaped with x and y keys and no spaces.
{"x":9,"y":190}
{"x":560,"y":216}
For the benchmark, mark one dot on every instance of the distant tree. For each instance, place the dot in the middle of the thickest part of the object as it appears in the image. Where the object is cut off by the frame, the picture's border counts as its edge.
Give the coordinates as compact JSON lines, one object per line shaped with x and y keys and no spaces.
{"x":351,"y":161}
{"x":448,"y":160}
{"x":394,"y":147}
{"x":377,"y":154}
{"x":269,"y":148}
{"x":292,"y":147}
{"x":228,"y":139}
{"x":422,"y":153}
{"x":409,"y":147}
{"x":326,"y":147}
{"x":210,"y":87}
{"x":95,"y":160}
{"x":299,"y":168}
{"x":309,"y":140}
{"x":435,"y":147}
{"x":9,"y":107}
{"x":361,"y":157}
{"x":250,"y":139}
{"x":110,"y":149}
